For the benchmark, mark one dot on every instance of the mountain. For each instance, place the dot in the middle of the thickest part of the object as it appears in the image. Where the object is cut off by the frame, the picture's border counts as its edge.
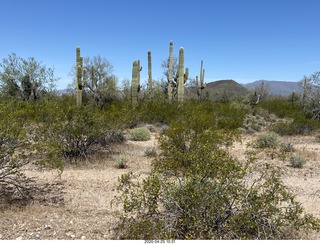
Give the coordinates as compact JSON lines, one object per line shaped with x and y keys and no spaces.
{"x":221,"y":90}
{"x":276,"y":88}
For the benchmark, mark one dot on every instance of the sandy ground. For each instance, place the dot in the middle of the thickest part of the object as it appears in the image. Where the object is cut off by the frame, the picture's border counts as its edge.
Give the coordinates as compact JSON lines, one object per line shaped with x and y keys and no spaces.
{"x":78,"y":205}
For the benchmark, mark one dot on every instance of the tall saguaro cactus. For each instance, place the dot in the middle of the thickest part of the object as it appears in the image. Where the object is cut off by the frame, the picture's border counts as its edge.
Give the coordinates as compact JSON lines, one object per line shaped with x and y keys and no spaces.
{"x":79,"y":70}
{"x":150,"y":88}
{"x":135,"y":82}
{"x":182,"y":76}
{"x":201,"y":84}
{"x":170,"y":80}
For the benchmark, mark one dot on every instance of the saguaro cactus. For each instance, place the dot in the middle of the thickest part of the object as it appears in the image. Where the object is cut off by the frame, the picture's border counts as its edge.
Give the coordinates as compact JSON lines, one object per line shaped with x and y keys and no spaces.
{"x":182,"y":76}
{"x":135,"y":83}
{"x":170,"y":80}
{"x":201,"y":84}
{"x":79,"y":70}
{"x":150,"y":88}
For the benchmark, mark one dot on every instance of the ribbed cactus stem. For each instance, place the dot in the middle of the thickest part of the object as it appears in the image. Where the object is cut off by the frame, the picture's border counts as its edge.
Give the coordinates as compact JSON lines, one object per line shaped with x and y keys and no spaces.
{"x":134,"y":82}
{"x":201,"y":84}
{"x":170,"y":71}
{"x":201,"y":74}
{"x":79,"y":84}
{"x":149,"y":73}
{"x":186,"y":75}
{"x":138,"y":72}
{"x":181,"y":79}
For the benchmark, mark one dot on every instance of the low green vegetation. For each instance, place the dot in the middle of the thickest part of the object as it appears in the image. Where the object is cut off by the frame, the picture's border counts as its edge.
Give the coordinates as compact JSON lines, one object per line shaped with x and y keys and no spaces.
{"x":139,"y":134}
{"x":197,"y":190}
{"x":121,"y":161}
{"x":297,"y":161}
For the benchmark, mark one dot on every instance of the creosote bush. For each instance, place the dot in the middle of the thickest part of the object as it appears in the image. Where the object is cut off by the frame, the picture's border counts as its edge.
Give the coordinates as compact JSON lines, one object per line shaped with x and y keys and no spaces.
{"x":197,"y":190}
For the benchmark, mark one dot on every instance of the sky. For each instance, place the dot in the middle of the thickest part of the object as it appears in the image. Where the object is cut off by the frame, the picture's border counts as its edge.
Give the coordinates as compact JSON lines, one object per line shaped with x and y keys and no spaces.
{"x":243,"y":40}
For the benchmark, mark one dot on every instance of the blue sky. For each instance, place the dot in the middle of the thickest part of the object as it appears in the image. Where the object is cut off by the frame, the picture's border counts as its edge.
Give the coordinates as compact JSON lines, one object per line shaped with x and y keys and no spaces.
{"x":244,"y":40}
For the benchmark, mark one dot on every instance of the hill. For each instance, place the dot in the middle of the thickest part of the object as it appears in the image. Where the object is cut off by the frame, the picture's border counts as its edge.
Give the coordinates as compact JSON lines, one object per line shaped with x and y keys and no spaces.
{"x":221,"y":90}
{"x":276,"y":88}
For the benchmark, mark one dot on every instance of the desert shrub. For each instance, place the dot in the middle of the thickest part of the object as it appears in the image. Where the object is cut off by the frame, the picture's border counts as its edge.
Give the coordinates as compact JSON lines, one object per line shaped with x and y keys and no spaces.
{"x":156,"y":110}
{"x":317,"y":136}
{"x":267,"y":140}
{"x":281,"y":107}
{"x":81,"y":131}
{"x":20,"y":147}
{"x":121,"y":161}
{"x":139,"y":134}
{"x":297,"y":161}
{"x":150,"y":152}
{"x":286,"y":147}
{"x":273,"y":145}
{"x":298,"y":123}
{"x":252,"y":123}
{"x":197,"y":190}
{"x":297,"y":126}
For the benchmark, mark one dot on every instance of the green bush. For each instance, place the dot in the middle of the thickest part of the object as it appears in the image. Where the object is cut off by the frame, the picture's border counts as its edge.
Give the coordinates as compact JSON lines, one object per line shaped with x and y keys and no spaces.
{"x":297,"y":161}
{"x":121,"y":161}
{"x":273,"y":145}
{"x":21,"y":146}
{"x":298,"y":126}
{"x":197,"y":190}
{"x":139,"y":134}
{"x":150,"y":152}
{"x":267,"y":140}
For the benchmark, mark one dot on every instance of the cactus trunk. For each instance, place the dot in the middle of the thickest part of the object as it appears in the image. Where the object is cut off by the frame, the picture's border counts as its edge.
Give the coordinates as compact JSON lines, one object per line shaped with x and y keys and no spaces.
{"x":170,"y":71}
{"x":150,"y":88}
{"x":79,"y":70}
{"x":181,"y":75}
{"x":135,"y":83}
{"x":201,"y":84}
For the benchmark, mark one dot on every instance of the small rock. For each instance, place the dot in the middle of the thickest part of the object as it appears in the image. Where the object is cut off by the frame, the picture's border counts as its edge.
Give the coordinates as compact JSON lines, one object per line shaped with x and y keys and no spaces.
{"x":73,"y":236}
{"x":19,"y":238}
{"x":47,"y":227}
{"x":83,"y":238}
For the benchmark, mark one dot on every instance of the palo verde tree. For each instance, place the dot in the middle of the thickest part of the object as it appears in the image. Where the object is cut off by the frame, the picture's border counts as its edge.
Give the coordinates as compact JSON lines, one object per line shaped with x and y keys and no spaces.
{"x":25,"y":79}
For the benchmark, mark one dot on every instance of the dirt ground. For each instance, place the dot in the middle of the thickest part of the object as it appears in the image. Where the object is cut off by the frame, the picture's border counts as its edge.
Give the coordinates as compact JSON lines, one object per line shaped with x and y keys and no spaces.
{"x":77,"y":205}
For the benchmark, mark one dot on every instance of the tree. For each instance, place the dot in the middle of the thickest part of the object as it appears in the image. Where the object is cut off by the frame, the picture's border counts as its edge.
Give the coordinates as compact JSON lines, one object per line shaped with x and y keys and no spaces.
{"x":311,"y":95}
{"x":165,"y":67}
{"x":98,"y":79}
{"x":25,"y":79}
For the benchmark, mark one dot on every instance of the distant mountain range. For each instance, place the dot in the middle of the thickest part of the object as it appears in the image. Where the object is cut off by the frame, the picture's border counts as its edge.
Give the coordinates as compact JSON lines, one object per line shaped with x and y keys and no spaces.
{"x":276,"y":88}
{"x":219,"y":90}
